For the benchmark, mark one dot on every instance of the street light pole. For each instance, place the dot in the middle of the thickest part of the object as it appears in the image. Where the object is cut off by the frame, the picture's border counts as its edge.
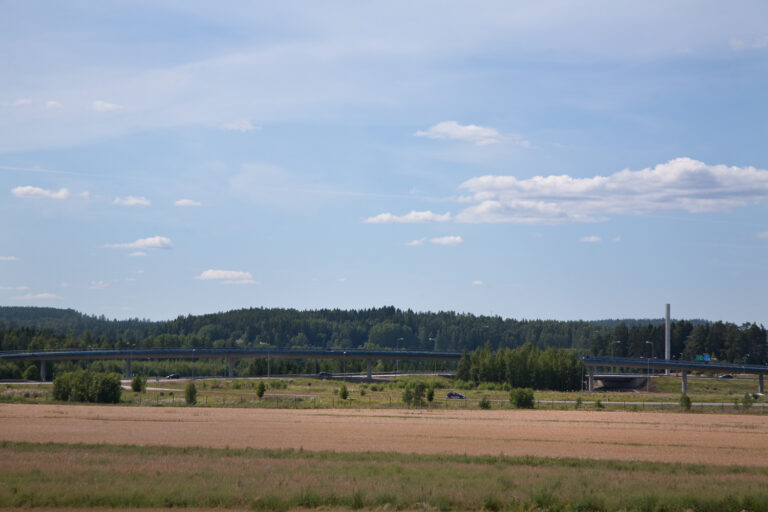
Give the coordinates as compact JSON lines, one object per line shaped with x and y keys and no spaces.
{"x":648,"y":381}
{"x":613,"y":369}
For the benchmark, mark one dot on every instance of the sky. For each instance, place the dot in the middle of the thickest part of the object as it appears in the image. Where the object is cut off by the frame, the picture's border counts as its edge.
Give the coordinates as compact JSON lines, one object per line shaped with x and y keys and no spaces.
{"x":556,"y":160}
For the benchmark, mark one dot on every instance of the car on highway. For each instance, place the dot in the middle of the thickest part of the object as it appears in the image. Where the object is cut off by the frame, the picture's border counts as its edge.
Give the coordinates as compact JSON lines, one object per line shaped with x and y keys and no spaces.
{"x":725,"y":376}
{"x":324,"y":375}
{"x":453,"y":395}
{"x":173,"y":376}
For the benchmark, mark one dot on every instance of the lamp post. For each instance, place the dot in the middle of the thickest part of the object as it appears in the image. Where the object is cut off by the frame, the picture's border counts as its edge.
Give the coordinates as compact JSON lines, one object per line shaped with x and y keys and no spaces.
{"x":434,"y":348}
{"x":648,"y":382}
{"x":613,"y":370}
{"x":344,"y":365}
{"x":397,"y":362}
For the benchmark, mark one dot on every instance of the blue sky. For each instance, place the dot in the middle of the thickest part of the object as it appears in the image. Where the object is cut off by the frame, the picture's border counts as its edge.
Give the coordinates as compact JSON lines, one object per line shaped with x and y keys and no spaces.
{"x":522,"y":159}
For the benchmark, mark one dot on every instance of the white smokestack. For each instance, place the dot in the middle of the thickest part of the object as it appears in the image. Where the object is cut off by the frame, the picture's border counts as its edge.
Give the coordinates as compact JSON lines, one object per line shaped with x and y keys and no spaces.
{"x":667,"y":336}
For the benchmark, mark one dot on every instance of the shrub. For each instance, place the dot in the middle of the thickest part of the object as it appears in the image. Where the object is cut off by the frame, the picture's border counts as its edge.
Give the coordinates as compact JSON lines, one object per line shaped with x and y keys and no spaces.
{"x":484,"y":403}
{"x":747,"y":401}
{"x":343,"y":392}
{"x":362,"y":391}
{"x":32,"y":373}
{"x":9,"y":371}
{"x":107,"y":388}
{"x":190,"y":393}
{"x":260,"y":389}
{"x":138,"y":384}
{"x":578,"y":403}
{"x":85,"y":386}
{"x":599,"y":404}
{"x":685,"y":402}
{"x":430,"y":394}
{"x":522,"y":398}
{"x":414,"y":392}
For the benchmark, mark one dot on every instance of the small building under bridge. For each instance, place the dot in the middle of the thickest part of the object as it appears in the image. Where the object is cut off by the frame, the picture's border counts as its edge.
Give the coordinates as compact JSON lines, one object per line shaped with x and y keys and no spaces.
{"x":593,"y":364}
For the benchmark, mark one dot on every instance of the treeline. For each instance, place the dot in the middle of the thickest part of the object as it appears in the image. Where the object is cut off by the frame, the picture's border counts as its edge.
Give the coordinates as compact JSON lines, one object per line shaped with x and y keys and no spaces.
{"x":523,"y":367}
{"x":26,"y":328}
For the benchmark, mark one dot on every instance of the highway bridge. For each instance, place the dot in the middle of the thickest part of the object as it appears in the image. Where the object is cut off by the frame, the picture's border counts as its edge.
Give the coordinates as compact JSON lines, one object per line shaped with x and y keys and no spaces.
{"x":677,"y":365}
{"x":230,"y":354}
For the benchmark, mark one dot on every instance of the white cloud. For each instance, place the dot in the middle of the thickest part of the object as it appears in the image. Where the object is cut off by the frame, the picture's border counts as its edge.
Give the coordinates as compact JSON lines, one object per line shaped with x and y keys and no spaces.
{"x":53,"y":104}
{"x":227,"y":276}
{"x":8,"y":258}
{"x":239,"y":126}
{"x":478,"y":283}
{"x":63,"y":284}
{"x":412,"y":217}
{"x":616,"y":239}
{"x":14,"y":288}
{"x":98,"y":285}
{"x":132,"y":201}
{"x":153,"y":242}
{"x":762,"y":235}
{"x":38,"y":296}
{"x":681,"y":184}
{"x":592,"y":239}
{"x":739,"y":45}
{"x":480,"y":135}
{"x":415,"y":243}
{"x":103,"y":106}
{"x":137,"y":254}
{"x":447,"y":240}
{"x":29,"y":192}
{"x":130,"y":279}
{"x":22,"y":101}
{"x":187,"y":202}
{"x":342,"y":279}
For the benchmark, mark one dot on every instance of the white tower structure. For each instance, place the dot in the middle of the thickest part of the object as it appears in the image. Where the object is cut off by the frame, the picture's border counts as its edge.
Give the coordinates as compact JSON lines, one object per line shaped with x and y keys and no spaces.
{"x":667,"y":336}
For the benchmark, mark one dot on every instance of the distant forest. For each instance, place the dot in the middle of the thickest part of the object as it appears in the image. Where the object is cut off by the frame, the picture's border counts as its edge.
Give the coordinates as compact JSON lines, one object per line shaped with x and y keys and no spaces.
{"x":28,"y":328}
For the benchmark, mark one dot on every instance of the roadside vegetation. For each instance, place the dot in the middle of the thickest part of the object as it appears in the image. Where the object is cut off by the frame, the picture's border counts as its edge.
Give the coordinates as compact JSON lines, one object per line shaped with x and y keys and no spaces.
{"x":77,"y":476}
{"x":427,"y":392}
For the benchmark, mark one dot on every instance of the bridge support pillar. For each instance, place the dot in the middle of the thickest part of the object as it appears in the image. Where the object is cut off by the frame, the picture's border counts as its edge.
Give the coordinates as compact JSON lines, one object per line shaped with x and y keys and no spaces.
{"x":231,"y":367}
{"x":368,"y":369}
{"x":591,"y":379}
{"x":760,"y":385}
{"x":43,"y":376}
{"x":128,"y":370}
{"x":685,"y":382}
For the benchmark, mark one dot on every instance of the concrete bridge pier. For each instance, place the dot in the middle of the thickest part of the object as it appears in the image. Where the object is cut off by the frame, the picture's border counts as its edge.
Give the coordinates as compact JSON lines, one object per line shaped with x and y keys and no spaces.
{"x":368,"y":369}
{"x":684,"y":374}
{"x":760,"y":385}
{"x":591,"y":379}
{"x":231,"y":367}
{"x":128,"y":370}
{"x":43,"y":376}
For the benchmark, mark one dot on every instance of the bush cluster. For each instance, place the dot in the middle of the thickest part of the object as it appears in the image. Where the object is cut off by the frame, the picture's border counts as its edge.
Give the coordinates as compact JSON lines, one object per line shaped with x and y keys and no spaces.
{"x":413,"y":394}
{"x":522,"y":398}
{"x":86,"y":386}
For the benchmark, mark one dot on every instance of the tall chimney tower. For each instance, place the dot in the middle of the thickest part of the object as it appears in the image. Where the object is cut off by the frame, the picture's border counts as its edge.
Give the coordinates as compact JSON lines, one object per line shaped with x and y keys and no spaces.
{"x":667,"y":336}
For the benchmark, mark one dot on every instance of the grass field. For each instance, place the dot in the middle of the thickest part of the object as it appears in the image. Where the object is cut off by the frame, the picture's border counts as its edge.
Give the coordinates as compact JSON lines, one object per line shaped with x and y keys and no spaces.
{"x":74,"y":476}
{"x":314,"y":393}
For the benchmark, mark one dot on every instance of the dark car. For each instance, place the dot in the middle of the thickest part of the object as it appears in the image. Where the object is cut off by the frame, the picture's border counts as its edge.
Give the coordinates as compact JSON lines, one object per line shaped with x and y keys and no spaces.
{"x":173,"y":376}
{"x":324,"y":375}
{"x":725,"y":376}
{"x":455,"y":396}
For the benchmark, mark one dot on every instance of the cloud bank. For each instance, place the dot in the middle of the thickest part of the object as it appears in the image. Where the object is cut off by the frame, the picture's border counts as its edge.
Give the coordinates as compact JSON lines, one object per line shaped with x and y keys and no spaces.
{"x":29,"y":192}
{"x":187,"y":202}
{"x":682,"y":184}
{"x":452,"y":130}
{"x":412,"y":217}
{"x":153,"y":242}
{"x":227,"y":276}
{"x":132,"y":201}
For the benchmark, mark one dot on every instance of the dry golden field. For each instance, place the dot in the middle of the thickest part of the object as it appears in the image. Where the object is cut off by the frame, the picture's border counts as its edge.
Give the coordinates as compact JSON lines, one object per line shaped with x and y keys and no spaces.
{"x":710,"y":439}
